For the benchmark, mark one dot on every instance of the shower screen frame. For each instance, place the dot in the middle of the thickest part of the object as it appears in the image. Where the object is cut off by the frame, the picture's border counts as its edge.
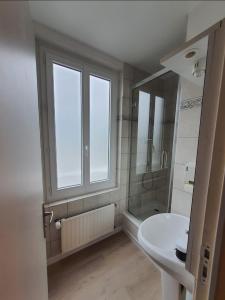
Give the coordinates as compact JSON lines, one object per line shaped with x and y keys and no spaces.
{"x":150,"y":133}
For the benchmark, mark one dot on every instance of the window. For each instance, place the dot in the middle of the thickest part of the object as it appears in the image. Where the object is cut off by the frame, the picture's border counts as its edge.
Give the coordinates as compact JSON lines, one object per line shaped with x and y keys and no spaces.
{"x":67,"y":114}
{"x":79,"y":126}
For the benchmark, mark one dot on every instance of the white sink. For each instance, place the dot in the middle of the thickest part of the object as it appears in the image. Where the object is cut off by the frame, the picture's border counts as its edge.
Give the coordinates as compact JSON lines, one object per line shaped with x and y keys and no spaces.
{"x":158,"y":236}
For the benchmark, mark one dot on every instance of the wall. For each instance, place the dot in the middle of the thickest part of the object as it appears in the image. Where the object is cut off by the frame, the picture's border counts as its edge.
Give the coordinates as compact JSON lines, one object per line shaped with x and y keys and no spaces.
{"x":203,"y":16}
{"x":186,"y":144}
{"x":129,"y":76}
{"x":200,"y":18}
{"x":54,"y":37}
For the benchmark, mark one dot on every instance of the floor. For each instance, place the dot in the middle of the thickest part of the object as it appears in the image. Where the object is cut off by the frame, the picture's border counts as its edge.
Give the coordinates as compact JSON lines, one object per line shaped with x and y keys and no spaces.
{"x":114,"y":269}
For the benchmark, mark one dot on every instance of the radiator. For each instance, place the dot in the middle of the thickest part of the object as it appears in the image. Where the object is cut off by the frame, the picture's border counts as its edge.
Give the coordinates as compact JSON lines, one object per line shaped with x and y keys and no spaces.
{"x":87,"y":227}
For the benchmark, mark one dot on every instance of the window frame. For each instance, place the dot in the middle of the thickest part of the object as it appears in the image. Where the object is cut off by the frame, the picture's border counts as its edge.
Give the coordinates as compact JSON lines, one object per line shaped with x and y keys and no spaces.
{"x":47,"y":57}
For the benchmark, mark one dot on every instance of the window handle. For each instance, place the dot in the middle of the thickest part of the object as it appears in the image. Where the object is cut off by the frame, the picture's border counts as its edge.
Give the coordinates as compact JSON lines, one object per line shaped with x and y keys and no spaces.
{"x":46,"y":214}
{"x":49,"y":214}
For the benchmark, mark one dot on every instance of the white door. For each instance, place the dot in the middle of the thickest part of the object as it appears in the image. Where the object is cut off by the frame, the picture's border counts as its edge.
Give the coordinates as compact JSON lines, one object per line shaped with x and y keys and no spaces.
{"x":22,"y":245}
{"x":210,"y":172}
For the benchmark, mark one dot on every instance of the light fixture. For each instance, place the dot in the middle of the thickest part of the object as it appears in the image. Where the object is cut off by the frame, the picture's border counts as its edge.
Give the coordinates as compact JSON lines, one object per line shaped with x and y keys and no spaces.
{"x":190,"y":53}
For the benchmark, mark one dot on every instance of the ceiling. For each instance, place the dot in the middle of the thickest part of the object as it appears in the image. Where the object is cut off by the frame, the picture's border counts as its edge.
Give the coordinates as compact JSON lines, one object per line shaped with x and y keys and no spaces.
{"x":135,"y":32}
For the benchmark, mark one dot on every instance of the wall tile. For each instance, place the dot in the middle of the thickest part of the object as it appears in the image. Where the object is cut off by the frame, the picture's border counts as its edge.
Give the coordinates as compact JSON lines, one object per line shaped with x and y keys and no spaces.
{"x":186,"y":146}
{"x":181,"y":203}
{"x":186,"y":150}
{"x":91,"y":203}
{"x":55,"y":247}
{"x":189,"y":89}
{"x":48,"y":249}
{"x":115,"y":195}
{"x":188,"y":123}
{"x":54,"y":233}
{"x":125,"y":128}
{"x":118,"y":220}
{"x":127,"y":88}
{"x":75,"y":208}
{"x":179,"y":176}
{"x":134,"y":127}
{"x":126,"y":108}
{"x":122,"y":205}
{"x":124,"y":177}
{"x":124,"y":162}
{"x":134,"y":162}
{"x":125,"y":146}
{"x":162,"y":196}
{"x":47,"y":231}
{"x":104,"y":199}
{"x":117,"y":207}
{"x":125,"y":189}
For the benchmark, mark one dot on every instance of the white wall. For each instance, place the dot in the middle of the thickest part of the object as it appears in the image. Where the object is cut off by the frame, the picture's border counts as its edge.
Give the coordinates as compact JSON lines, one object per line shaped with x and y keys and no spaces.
{"x":63,"y":41}
{"x":186,"y":145}
{"x":203,"y":16}
{"x":200,"y":18}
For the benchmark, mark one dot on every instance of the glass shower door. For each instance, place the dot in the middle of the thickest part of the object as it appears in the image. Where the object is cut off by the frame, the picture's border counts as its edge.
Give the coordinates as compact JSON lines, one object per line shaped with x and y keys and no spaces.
{"x":152,"y":124}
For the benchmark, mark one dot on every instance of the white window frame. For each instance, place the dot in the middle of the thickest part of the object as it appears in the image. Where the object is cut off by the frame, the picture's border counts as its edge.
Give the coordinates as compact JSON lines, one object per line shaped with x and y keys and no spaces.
{"x":48,"y":56}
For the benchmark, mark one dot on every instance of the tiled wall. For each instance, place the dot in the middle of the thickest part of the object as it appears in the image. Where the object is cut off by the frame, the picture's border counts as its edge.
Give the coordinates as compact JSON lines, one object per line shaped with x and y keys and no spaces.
{"x":119,"y":196}
{"x":186,"y":144}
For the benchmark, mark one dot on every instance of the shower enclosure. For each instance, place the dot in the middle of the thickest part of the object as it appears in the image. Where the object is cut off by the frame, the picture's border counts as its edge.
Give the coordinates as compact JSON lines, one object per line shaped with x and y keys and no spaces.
{"x":152,"y":135}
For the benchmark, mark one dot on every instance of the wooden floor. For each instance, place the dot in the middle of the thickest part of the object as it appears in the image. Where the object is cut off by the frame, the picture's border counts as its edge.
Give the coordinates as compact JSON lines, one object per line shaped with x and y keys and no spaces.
{"x":114,"y":269}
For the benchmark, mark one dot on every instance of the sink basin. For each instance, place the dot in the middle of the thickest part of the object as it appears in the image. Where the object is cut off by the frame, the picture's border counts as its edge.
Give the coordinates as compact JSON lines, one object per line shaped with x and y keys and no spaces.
{"x":158,"y":235}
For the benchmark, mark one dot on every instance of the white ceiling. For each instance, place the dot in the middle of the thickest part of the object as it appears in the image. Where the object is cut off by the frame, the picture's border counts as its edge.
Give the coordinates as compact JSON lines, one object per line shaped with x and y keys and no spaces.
{"x":136,"y":32}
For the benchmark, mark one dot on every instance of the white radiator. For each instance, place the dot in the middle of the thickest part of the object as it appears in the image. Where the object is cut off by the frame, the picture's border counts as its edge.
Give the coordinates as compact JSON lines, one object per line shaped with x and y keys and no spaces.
{"x":87,"y":227}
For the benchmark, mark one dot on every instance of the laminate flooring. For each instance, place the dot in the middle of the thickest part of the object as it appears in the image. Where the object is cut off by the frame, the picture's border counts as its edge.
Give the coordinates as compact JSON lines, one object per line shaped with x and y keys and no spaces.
{"x":113,"y":269}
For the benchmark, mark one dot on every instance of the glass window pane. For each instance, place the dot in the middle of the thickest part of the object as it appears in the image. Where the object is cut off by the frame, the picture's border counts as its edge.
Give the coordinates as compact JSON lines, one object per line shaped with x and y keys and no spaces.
{"x":67,"y":102}
{"x":157,"y":133}
{"x":99,"y":128}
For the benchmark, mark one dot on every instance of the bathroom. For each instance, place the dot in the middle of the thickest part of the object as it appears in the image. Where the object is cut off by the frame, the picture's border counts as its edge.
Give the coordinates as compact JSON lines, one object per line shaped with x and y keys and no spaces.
{"x":124,"y":169}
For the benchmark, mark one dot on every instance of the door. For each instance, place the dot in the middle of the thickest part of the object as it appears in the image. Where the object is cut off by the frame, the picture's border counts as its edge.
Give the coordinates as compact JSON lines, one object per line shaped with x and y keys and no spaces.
{"x":23,"y":255}
{"x":207,"y":206}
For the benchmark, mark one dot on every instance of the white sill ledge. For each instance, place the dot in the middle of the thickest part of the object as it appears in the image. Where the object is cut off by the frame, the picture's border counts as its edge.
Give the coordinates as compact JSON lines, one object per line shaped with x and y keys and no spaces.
{"x":58,"y":202}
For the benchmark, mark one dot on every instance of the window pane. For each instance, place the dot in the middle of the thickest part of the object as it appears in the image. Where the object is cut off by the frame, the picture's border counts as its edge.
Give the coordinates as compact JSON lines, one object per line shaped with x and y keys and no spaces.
{"x":67,"y":102}
{"x":99,"y":128}
{"x":157,"y":133}
{"x":143,"y":132}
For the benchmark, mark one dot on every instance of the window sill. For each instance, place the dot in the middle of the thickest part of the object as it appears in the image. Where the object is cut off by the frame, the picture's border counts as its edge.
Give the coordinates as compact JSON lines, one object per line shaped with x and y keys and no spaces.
{"x":58,"y":202}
